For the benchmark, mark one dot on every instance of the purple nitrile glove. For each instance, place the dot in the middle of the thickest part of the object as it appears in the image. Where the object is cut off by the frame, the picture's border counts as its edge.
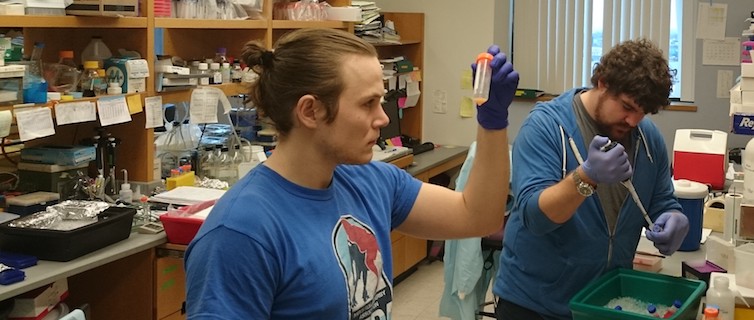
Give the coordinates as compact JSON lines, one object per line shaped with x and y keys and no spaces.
{"x":670,"y":229}
{"x":493,"y":114}
{"x":609,"y":166}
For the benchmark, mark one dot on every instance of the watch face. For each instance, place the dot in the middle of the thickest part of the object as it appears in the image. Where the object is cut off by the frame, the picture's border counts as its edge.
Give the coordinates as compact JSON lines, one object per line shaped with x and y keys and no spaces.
{"x":585,"y":189}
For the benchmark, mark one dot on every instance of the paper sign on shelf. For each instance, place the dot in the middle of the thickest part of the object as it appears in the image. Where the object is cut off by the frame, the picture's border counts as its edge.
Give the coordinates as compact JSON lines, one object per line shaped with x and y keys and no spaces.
{"x":6,"y":117}
{"x":203,"y":107}
{"x":34,"y":122}
{"x":75,"y":112}
{"x":113,"y":110}
{"x":153,"y":110}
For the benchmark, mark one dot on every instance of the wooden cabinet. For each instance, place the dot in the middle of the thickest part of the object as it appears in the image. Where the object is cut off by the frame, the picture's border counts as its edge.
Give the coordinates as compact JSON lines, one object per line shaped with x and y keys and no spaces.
{"x":170,"y":282}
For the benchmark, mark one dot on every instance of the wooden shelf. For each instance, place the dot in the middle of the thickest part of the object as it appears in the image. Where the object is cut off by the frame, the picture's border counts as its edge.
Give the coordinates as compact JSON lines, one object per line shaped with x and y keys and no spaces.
{"x":289,"y":24}
{"x":209,"y":24}
{"x":72,"y":22}
{"x":391,"y":44}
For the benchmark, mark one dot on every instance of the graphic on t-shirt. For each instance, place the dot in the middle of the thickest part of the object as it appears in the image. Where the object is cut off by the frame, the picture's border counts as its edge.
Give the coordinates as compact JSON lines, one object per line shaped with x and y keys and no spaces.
{"x":369,"y":292}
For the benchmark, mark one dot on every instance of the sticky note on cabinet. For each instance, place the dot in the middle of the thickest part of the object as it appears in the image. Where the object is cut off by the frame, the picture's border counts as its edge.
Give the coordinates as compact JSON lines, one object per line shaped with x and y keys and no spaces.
{"x":467,"y":107}
{"x":134,"y":103}
{"x":466,"y":81}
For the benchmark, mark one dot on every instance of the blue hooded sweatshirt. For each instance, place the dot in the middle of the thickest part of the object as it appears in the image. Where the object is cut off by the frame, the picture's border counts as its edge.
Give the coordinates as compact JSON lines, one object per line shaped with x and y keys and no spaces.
{"x":544,"y":264}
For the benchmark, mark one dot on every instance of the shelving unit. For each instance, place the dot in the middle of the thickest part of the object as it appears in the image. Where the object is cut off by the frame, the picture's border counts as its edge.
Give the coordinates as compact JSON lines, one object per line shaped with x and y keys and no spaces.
{"x":188,"y":38}
{"x":407,"y":251}
{"x":410,"y":27}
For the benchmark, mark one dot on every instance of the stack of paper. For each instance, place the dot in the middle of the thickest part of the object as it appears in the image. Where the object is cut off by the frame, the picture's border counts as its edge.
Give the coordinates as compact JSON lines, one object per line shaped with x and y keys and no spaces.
{"x":186,"y":195}
{"x":369,"y":27}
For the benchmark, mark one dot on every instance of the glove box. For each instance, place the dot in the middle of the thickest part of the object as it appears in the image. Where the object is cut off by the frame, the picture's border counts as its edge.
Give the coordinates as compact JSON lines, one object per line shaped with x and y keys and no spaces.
{"x":113,"y":225}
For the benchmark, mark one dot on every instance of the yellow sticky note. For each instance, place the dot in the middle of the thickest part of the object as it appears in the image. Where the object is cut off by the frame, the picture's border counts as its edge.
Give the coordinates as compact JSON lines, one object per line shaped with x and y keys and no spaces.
{"x":134,"y":103}
{"x":467,"y":107}
{"x":466,"y":81}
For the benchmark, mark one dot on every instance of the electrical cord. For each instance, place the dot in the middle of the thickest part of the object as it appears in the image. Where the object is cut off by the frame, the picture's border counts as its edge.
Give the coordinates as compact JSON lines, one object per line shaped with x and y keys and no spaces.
{"x":5,"y":153}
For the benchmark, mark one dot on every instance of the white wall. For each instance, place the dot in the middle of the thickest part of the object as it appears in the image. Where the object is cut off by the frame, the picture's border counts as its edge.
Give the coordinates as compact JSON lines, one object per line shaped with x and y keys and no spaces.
{"x":455,"y":32}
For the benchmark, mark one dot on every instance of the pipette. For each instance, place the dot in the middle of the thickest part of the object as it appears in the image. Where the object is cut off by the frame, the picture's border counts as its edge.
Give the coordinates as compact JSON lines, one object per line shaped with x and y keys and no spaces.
{"x":631,"y":190}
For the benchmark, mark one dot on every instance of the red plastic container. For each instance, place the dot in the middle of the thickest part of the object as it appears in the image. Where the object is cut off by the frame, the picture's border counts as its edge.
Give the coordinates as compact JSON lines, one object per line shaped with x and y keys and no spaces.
{"x":180,"y":225}
{"x":180,"y":230}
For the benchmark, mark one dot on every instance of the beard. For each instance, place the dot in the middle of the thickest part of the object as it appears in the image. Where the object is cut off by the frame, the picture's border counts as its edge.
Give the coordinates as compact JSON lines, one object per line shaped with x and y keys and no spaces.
{"x":616,"y":131}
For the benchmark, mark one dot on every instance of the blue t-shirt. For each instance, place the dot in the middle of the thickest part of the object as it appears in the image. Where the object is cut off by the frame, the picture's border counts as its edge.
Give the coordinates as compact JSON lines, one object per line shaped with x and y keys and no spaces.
{"x":271,"y":249}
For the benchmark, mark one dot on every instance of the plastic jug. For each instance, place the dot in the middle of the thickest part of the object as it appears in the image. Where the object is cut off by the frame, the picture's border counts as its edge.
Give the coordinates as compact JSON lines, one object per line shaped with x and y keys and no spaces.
{"x":96,"y":50}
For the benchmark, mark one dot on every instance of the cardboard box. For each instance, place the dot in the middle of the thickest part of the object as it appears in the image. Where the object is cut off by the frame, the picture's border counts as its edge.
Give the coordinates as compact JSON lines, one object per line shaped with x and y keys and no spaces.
{"x":131,"y":74}
{"x":37,"y":303}
{"x":743,"y":123}
{"x":352,"y":14}
{"x":747,"y":69}
{"x":112,"y":8}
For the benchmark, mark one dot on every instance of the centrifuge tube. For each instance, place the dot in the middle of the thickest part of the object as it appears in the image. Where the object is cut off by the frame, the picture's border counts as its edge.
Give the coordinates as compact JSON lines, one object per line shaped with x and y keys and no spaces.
{"x":482,"y":78}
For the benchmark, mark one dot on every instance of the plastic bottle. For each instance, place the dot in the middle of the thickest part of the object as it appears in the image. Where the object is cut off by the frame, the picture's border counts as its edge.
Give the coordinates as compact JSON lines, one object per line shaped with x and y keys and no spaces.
{"x":652,"y":310}
{"x":66,"y":73}
{"x":221,"y":56}
{"x":719,"y":294}
{"x":482,"y":78}
{"x":225,"y":171}
{"x":237,"y":159}
{"x":225,"y":71}
{"x":126,"y":194}
{"x":748,"y":166}
{"x":91,"y":82}
{"x":711,"y":313}
{"x":114,"y":88}
{"x":204,"y":71}
{"x":35,"y":86}
{"x":206,"y":162}
{"x":236,"y":73}
{"x":96,"y":50}
{"x":216,"y":76}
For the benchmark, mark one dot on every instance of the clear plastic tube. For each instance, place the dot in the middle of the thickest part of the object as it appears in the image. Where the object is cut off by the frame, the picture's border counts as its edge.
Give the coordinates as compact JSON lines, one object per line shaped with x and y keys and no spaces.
{"x":482,"y":78}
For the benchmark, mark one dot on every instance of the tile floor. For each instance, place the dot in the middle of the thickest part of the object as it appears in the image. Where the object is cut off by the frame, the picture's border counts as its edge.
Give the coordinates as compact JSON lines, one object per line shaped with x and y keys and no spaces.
{"x":418,"y":296}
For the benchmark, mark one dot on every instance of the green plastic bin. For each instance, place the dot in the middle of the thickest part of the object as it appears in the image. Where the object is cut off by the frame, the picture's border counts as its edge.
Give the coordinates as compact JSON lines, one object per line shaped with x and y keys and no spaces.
{"x":589,"y":303}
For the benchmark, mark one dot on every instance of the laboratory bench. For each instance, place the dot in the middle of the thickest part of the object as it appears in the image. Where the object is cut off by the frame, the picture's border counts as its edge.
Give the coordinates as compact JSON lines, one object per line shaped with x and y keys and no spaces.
{"x":142,"y":277}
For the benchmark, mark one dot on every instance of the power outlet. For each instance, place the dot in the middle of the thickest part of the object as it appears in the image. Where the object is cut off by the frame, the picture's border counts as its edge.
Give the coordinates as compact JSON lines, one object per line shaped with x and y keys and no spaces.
{"x":440,"y":102}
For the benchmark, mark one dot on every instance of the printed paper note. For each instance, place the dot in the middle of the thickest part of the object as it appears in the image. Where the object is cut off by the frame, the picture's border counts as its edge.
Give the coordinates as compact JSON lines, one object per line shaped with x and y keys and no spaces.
{"x":203,"y":108}
{"x":6,"y":118}
{"x":113,"y":110}
{"x":153,"y":112}
{"x":34,"y":123}
{"x":711,"y":20}
{"x":75,"y":112}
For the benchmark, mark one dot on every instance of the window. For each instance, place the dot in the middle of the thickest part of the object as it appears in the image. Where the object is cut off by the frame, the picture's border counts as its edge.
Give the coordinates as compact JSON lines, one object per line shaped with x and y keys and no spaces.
{"x":569,"y":37}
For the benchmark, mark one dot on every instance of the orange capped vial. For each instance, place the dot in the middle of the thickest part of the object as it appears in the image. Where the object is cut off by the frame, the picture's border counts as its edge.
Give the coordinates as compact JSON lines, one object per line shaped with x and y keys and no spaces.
{"x":711,"y":313}
{"x":482,"y":78}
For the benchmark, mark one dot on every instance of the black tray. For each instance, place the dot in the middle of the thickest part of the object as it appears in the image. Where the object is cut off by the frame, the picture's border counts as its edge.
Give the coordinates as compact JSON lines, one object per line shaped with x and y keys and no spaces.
{"x":113,"y":225}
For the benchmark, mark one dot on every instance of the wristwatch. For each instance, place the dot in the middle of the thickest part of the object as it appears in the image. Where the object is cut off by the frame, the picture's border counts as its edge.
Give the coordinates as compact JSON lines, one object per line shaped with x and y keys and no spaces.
{"x":585,"y":189}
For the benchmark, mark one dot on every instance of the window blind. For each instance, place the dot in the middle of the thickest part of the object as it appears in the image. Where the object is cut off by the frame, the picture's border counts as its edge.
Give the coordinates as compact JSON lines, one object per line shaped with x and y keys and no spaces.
{"x":552,"y":39}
